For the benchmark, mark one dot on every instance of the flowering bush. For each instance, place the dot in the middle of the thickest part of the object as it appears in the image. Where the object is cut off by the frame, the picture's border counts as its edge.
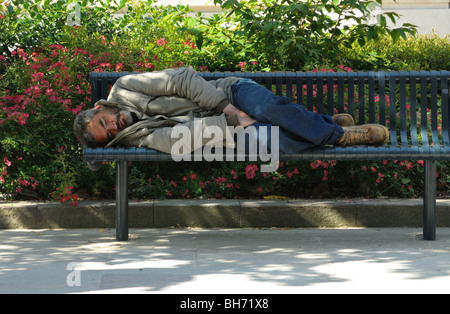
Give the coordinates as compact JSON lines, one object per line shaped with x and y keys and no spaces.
{"x":36,"y":116}
{"x":292,"y":179}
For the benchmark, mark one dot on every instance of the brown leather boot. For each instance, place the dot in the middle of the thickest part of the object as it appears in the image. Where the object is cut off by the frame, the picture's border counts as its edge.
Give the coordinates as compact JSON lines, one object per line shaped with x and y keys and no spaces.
{"x":343,"y":119}
{"x":367,"y":134}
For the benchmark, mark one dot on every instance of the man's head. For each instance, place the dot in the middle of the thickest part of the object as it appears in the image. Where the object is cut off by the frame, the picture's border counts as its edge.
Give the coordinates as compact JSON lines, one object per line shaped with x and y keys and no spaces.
{"x":100,"y":125}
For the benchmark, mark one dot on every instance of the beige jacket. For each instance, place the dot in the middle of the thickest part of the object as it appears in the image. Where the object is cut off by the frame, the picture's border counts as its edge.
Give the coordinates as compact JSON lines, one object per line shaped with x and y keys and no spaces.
{"x":164,"y":99}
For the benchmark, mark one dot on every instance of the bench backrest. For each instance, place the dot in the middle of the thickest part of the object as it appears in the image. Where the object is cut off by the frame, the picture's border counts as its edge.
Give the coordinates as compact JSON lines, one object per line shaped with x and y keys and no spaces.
{"x":413,"y":105}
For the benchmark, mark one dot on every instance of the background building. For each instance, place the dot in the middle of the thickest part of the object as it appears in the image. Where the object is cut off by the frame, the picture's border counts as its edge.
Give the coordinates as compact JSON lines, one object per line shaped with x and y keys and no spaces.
{"x":429,"y":15}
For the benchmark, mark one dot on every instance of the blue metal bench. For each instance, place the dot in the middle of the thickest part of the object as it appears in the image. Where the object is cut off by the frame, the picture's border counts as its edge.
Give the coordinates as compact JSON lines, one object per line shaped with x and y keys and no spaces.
{"x":413,"y":105}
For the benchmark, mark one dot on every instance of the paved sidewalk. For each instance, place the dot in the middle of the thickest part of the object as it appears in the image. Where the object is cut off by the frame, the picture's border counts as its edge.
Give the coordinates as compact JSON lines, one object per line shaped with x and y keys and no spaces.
{"x":196,"y":261}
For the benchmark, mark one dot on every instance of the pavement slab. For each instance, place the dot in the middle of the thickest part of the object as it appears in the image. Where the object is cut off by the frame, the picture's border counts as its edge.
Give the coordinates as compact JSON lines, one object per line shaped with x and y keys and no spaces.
{"x":224,"y":261}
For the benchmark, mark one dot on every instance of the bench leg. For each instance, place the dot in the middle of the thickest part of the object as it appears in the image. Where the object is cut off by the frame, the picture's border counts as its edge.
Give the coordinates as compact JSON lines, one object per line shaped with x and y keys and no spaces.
{"x":429,"y":201}
{"x":122,"y":201}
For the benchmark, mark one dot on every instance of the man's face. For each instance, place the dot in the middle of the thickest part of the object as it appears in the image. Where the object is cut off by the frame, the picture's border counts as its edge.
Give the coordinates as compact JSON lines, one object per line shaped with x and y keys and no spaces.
{"x":106,"y":123}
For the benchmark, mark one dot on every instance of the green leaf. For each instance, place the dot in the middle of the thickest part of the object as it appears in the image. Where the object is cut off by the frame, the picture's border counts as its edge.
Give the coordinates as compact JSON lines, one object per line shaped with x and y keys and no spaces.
{"x":199,"y":41}
{"x":370,"y":34}
{"x":406,"y":181}
{"x":382,"y":21}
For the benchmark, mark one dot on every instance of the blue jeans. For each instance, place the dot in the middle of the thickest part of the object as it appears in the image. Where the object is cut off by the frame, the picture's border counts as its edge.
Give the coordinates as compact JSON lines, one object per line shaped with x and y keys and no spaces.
{"x":299,"y":128}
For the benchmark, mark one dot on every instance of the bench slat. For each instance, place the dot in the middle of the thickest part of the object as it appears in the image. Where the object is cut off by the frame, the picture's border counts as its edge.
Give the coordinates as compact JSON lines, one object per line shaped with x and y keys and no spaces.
{"x":413,"y":113}
{"x":329,"y":153}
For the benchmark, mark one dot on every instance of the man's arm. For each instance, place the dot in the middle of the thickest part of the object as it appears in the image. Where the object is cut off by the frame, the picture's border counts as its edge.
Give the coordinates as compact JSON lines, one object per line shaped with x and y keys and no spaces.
{"x":190,"y":136}
{"x":182,"y":82}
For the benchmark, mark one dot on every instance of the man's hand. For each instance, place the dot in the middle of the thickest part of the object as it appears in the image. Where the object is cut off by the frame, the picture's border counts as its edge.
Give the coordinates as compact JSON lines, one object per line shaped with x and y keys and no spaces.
{"x":231,"y":110}
{"x":244,"y":119}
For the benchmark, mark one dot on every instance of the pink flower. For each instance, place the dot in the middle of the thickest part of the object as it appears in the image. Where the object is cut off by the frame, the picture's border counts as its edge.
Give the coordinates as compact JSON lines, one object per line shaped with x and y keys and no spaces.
{"x":348,"y":69}
{"x":220,"y":180}
{"x":119,"y":67}
{"x":7,"y":162}
{"x":325,"y":176}
{"x":189,"y":44}
{"x":250,"y":171}
{"x":161,"y":42}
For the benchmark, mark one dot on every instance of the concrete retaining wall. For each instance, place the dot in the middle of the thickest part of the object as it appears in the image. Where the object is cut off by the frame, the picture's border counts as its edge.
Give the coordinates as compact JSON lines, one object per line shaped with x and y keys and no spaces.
{"x":222,"y":214}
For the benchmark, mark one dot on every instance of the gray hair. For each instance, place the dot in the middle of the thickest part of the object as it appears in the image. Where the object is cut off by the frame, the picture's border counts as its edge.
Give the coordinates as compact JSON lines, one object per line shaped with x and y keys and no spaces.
{"x":80,"y":128}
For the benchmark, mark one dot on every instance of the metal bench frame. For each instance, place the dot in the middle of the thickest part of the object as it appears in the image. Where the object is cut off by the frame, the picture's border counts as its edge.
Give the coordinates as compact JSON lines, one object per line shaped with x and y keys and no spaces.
{"x":362,"y":94}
